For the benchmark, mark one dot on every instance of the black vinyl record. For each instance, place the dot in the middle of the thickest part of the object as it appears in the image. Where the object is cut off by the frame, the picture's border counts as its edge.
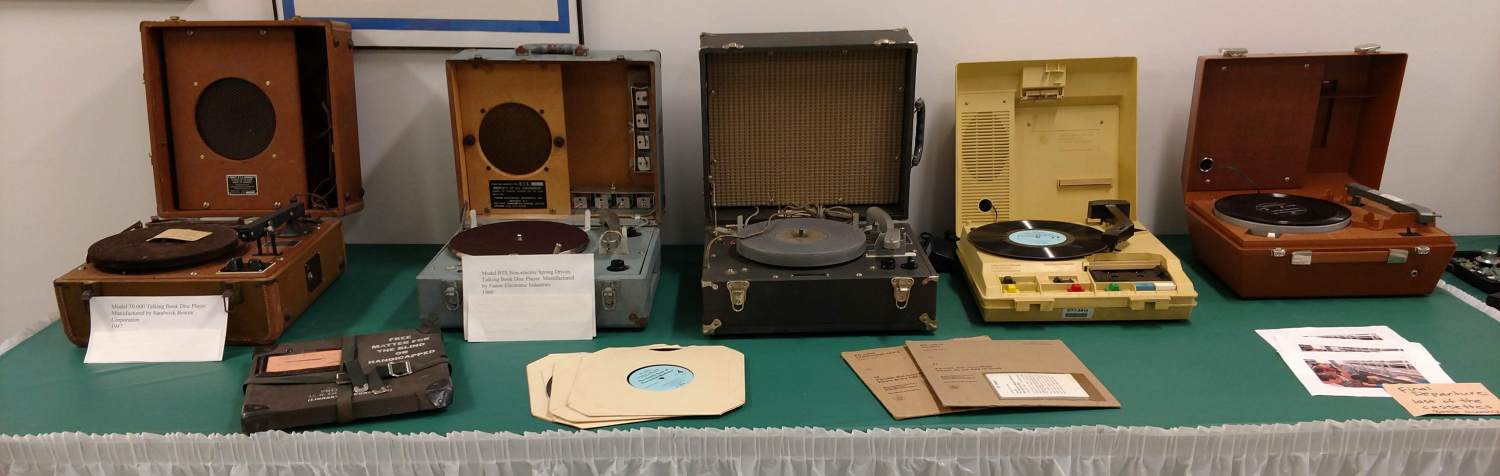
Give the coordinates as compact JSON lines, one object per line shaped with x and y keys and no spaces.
{"x":1037,"y":239}
{"x":1282,"y":209}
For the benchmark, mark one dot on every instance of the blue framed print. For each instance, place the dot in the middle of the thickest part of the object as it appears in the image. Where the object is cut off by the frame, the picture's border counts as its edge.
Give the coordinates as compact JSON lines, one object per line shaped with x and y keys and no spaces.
{"x":447,"y":23}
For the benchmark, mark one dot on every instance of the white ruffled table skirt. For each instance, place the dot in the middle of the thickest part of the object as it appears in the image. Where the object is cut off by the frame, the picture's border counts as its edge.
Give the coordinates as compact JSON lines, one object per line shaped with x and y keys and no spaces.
{"x":1400,"y":447}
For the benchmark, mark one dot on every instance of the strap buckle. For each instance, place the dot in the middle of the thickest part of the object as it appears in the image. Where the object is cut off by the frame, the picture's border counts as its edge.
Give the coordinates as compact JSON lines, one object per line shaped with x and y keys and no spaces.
{"x":405,"y":368}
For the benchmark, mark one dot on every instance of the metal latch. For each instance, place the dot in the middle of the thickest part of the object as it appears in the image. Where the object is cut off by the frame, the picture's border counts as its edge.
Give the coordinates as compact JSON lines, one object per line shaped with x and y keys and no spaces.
{"x":452,"y":299}
{"x":1302,"y":258}
{"x":1367,"y":48}
{"x":928,"y":321}
{"x":1233,"y":52}
{"x":737,"y":292}
{"x":1278,"y":252}
{"x":607,"y":294}
{"x":1396,"y":256}
{"x":1423,"y":249}
{"x":901,"y":288}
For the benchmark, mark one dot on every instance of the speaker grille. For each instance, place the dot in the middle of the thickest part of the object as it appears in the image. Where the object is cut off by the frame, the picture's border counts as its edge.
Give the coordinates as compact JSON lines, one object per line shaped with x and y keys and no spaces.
{"x":235,"y":118}
{"x":806,"y":127}
{"x":984,"y":156}
{"x":515,"y":139}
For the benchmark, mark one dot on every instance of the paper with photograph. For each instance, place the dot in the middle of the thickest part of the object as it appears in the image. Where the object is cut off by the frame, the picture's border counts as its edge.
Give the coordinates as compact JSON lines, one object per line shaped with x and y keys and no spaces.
{"x":1294,"y":345}
{"x":1362,"y":374}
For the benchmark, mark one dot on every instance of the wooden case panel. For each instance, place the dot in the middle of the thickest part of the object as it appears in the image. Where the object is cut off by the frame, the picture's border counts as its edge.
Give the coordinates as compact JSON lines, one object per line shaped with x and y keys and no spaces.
{"x":1337,"y":268}
{"x":267,"y":59}
{"x":309,"y":64}
{"x":263,"y":307}
{"x":474,"y":88}
{"x":1270,"y":121}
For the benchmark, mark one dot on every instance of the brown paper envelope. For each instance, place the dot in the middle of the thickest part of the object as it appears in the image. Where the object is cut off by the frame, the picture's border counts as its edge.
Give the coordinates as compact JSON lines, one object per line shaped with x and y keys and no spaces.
{"x":564,"y":375}
{"x":893,"y":377}
{"x":956,"y":371}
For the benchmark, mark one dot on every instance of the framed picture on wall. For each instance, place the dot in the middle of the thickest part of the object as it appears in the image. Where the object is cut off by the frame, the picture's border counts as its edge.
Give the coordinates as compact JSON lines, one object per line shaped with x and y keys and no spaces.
{"x":447,"y":23}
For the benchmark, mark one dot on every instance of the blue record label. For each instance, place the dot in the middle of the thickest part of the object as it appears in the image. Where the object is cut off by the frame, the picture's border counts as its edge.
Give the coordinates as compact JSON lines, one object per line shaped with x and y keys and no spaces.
{"x":660,"y":378}
{"x":1037,"y":238}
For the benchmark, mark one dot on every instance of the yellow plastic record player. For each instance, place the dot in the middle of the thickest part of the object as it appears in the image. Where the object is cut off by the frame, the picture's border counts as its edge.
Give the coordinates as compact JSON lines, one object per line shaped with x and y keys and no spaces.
{"x":1045,"y":176}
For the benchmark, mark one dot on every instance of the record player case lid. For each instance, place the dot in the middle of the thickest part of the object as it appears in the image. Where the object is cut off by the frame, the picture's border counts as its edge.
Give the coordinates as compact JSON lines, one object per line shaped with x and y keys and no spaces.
{"x":1275,"y":120}
{"x":808,"y":118}
{"x":335,"y":53}
{"x":1040,"y":139}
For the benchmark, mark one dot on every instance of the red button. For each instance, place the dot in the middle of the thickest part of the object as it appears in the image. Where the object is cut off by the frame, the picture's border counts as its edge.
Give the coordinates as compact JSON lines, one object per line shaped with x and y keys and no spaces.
{"x":1075,"y":288}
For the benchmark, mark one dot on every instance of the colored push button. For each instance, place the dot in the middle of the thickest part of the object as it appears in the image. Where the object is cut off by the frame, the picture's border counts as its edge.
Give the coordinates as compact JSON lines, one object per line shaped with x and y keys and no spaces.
{"x":1011,"y":288}
{"x":1145,"y":286}
{"x":1075,"y":288}
{"x":1112,"y":287}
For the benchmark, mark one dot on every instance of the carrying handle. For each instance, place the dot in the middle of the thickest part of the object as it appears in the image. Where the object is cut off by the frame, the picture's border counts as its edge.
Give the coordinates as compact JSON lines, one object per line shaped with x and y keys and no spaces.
{"x":571,"y":49}
{"x":920,"y":135}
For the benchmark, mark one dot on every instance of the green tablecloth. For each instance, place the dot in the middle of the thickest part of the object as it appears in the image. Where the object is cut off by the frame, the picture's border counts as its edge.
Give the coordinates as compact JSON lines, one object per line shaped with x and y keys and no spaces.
{"x":1211,"y":370}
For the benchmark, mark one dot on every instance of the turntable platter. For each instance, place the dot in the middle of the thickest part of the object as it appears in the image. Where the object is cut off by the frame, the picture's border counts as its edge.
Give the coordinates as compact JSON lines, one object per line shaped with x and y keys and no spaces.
{"x":522,"y":237}
{"x":1282,"y":213}
{"x":801,"y":242}
{"x":134,"y":250}
{"x":1037,"y":239}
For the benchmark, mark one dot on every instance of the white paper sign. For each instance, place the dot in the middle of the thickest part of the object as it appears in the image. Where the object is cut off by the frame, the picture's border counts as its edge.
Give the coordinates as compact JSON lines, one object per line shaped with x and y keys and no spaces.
{"x":1032,"y":385}
{"x":156,"y":329}
{"x":528,"y":297}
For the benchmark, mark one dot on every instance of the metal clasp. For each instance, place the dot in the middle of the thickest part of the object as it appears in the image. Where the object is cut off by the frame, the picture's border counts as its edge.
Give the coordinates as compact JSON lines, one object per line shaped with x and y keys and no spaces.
{"x":451,"y":298}
{"x":1396,"y":256}
{"x":738,"y":290}
{"x":405,"y":369}
{"x":607,"y":294}
{"x":1233,"y":52}
{"x":901,"y":289}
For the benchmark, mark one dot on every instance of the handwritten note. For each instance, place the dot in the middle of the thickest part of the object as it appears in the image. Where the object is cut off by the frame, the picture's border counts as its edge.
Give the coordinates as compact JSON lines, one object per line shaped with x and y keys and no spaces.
{"x":528,"y":297}
{"x":156,"y":329}
{"x":1445,"y":398}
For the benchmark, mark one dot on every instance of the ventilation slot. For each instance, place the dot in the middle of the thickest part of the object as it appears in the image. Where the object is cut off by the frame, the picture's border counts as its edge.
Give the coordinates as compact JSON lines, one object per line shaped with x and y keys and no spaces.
{"x":984,"y":155}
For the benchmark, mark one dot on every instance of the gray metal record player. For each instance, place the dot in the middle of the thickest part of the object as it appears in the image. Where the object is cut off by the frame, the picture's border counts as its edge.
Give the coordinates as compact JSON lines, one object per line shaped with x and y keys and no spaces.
{"x":625,"y":277}
{"x":557,"y":150}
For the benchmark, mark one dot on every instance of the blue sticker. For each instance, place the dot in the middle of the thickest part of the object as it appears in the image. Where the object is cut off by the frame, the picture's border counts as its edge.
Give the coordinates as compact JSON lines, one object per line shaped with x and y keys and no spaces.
{"x":1038,"y":238}
{"x":660,"y":378}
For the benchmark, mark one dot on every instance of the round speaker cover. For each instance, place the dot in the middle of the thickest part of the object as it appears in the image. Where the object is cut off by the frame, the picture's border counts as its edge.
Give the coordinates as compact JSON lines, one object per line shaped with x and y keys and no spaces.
{"x":134,"y":250}
{"x":515,"y":139}
{"x":801,"y":242}
{"x":235,"y":118}
{"x":521,"y":237}
{"x":1037,"y":239}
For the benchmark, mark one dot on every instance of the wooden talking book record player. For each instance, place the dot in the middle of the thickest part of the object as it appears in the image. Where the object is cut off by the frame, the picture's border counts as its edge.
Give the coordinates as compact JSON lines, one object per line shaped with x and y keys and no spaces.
{"x":1045,"y":173}
{"x":557,"y":150}
{"x":254,"y":152}
{"x":808,"y":142}
{"x":1284,"y":155}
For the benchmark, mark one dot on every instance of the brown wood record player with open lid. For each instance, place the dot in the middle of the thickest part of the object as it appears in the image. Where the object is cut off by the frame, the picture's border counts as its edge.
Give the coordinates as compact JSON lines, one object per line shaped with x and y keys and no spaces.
{"x":1284,"y":157}
{"x":255,"y":154}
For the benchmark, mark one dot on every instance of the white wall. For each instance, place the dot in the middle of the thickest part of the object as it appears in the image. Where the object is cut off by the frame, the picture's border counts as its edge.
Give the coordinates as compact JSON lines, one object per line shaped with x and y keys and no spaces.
{"x":72,"y":117}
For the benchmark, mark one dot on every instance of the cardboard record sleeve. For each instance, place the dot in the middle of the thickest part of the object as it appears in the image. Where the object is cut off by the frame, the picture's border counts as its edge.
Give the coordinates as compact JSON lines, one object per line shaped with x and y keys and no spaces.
{"x":648,"y":382}
{"x":344,"y":379}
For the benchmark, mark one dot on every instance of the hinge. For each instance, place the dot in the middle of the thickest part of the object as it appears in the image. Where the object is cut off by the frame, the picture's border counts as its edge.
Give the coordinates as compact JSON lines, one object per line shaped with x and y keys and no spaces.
{"x":1043,"y":83}
{"x":737,"y":293}
{"x":607,"y":294}
{"x":1233,"y":52}
{"x":732,"y":46}
{"x":884,"y":42}
{"x":1367,"y":48}
{"x":901,"y":290}
{"x":708,"y":329}
{"x":452,"y":298}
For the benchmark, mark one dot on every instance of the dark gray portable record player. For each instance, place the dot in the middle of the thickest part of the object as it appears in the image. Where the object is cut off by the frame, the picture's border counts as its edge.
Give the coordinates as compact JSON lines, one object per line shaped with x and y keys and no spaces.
{"x":558,"y":150}
{"x":808,"y":141}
